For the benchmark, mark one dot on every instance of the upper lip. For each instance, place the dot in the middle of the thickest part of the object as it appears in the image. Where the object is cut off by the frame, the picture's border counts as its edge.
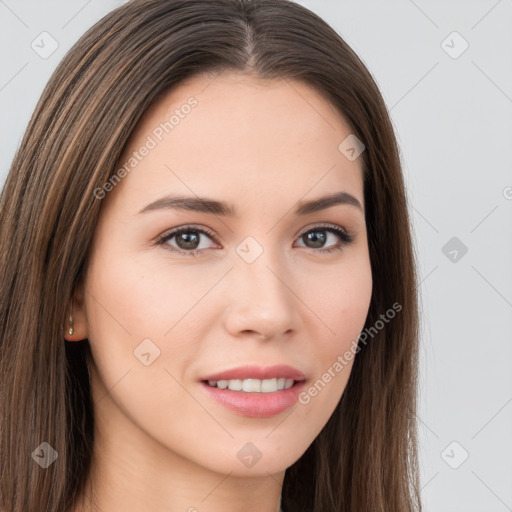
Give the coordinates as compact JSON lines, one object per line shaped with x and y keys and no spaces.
{"x":258,"y":372}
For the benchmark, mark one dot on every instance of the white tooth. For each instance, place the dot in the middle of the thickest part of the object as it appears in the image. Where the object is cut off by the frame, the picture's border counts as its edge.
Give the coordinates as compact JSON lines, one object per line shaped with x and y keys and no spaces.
{"x":222,"y":384}
{"x":268,"y":385}
{"x":288,"y":383}
{"x":251,"y":385}
{"x":235,"y":385}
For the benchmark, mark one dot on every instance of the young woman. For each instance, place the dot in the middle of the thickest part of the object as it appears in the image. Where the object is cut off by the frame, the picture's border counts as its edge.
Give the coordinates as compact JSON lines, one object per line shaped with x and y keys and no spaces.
{"x":208,"y":293}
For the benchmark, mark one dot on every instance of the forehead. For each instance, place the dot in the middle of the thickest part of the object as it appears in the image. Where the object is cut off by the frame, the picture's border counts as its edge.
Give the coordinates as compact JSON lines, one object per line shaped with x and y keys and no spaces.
{"x":235,"y":135}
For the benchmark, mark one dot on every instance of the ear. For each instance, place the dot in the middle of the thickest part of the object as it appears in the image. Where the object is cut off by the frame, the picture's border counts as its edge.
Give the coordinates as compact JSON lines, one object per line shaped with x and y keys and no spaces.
{"x":77,"y":311}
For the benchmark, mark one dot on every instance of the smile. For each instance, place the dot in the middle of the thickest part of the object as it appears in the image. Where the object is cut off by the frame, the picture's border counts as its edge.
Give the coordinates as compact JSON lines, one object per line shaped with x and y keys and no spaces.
{"x":253,"y":385}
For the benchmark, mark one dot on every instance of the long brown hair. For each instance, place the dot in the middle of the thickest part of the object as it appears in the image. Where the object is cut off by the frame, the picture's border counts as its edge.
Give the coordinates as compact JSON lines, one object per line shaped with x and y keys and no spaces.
{"x":365,"y":458}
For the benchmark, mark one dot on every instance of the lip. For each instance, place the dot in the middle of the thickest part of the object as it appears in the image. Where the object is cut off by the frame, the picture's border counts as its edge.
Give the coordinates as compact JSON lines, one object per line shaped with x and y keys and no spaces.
{"x":258,"y":372}
{"x":255,"y":405}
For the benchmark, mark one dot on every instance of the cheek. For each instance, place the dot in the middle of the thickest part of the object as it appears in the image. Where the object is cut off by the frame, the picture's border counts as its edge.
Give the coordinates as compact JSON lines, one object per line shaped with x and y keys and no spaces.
{"x":341,"y":301}
{"x":340,"y":307}
{"x":139,"y":299}
{"x":139,"y":306}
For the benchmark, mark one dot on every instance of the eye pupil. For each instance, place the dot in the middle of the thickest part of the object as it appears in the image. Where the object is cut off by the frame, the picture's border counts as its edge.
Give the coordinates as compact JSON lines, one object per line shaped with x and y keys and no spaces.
{"x":318,"y":240}
{"x":190,"y":238}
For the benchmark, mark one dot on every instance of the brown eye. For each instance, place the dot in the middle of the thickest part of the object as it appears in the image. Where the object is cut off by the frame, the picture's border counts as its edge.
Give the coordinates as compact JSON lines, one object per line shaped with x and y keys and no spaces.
{"x":188,"y":240}
{"x":316,"y":238}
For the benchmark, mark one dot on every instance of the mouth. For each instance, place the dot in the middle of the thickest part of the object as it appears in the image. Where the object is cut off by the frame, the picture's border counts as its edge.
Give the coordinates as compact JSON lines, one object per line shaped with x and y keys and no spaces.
{"x":256,"y":379}
{"x":253,"y":385}
{"x":255,"y":391}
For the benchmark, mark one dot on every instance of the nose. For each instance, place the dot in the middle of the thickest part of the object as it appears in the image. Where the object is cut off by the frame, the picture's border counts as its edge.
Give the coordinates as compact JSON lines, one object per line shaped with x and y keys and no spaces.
{"x":261,"y":302}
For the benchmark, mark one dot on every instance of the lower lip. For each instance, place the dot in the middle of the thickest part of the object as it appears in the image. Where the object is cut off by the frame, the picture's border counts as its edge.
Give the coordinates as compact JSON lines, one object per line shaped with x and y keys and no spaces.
{"x":256,"y":405}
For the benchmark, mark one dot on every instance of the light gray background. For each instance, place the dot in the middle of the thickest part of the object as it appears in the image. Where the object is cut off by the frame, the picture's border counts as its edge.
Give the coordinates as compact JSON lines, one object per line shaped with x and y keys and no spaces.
{"x":453,"y":118}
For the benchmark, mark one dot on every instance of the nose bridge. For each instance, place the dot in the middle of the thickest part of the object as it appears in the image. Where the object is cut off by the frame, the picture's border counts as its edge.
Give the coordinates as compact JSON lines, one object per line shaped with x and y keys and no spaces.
{"x":261,"y":298}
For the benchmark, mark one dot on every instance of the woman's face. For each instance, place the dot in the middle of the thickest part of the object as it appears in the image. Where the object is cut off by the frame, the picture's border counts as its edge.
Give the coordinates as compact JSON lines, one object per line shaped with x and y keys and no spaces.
{"x":256,"y":287}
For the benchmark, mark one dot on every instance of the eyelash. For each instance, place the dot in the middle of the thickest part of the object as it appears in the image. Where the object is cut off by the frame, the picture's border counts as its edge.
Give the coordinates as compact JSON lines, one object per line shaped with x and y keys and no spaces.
{"x":344,"y":237}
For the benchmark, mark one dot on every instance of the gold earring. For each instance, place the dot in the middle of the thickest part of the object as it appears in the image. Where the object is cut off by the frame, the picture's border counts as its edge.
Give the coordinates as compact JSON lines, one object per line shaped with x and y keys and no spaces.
{"x":71,"y":325}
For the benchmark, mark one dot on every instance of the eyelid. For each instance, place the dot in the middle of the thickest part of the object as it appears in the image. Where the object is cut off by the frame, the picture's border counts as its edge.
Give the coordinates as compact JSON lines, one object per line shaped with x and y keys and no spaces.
{"x":325,"y":225}
{"x":170,"y":233}
{"x":345,"y":237}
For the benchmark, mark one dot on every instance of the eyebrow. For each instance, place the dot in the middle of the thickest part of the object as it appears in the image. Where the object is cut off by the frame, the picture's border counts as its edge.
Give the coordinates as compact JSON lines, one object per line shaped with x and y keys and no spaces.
{"x":214,"y":207}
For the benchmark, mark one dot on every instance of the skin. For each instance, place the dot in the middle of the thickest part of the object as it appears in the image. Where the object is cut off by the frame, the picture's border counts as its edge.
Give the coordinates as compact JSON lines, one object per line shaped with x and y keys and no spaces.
{"x":161,"y":443}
